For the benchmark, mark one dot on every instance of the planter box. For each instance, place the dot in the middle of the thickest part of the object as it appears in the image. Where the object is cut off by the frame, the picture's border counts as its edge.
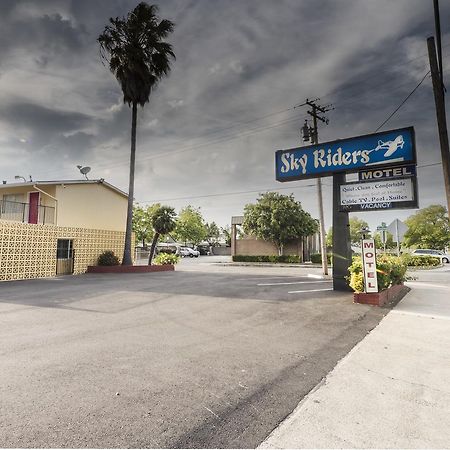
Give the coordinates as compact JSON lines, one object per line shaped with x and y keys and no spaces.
{"x":392,"y":294}
{"x":130,"y":269}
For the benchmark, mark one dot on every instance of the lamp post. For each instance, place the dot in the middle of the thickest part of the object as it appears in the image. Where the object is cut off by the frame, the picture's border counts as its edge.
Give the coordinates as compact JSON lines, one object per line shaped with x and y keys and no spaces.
{"x":19,"y":177}
{"x":364,"y":231}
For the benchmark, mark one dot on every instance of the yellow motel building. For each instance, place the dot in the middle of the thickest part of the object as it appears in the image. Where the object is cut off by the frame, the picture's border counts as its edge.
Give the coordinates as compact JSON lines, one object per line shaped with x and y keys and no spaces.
{"x":50,"y":228}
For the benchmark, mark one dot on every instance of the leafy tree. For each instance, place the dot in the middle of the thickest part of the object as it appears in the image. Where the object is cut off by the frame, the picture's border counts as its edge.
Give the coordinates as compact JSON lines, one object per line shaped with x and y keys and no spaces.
{"x":389,"y":240}
{"x":212,"y":233}
{"x":163,"y":222}
{"x":428,"y":228}
{"x":190,"y":226}
{"x":356,"y":226}
{"x":138,"y":56}
{"x":279,"y":219}
{"x":226,"y":232}
{"x":142,"y":222}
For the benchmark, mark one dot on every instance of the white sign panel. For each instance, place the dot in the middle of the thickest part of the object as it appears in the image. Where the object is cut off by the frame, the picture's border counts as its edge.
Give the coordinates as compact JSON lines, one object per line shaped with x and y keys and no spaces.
{"x":375,"y":195}
{"x":369,"y":265}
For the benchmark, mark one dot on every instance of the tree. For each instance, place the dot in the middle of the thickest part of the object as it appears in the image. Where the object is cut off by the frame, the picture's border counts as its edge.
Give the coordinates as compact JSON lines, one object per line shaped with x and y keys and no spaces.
{"x":279,"y":219}
{"x":226,"y":232}
{"x":190,"y":226}
{"x":428,"y":228}
{"x":356,"y":225}
{"x":389,"y":240}
{"x":138,"y":56}
{"x":163,"y":222}
{"x":212,"y":233}
{"x":142,"y":222}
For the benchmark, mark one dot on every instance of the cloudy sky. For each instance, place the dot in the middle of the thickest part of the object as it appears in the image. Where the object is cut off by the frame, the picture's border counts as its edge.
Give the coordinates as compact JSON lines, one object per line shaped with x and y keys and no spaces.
{"x":208,"y":136}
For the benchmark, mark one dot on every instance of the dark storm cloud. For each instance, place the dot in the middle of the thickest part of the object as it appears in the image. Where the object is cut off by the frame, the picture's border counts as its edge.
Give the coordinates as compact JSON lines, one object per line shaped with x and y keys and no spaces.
{"x":237,"y":60}
{"x":44,"y":37}
{"x":40,"y":119}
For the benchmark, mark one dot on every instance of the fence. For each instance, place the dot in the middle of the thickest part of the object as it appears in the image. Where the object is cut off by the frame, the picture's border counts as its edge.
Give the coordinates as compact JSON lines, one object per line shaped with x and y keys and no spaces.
{"x":19,"y":212}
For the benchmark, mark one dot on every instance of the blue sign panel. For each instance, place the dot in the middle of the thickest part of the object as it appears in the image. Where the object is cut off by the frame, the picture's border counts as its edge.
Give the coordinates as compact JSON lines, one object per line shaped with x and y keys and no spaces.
{"x":394,"y":147}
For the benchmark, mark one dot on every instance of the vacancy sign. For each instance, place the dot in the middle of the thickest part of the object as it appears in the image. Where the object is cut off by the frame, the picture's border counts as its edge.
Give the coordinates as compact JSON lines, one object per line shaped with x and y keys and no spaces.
{"x":369,"y":266}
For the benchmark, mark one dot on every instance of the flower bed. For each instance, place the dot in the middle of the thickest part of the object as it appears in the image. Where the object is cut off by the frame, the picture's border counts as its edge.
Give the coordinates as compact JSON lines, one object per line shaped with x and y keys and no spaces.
{"x":392,"y":294}
{"x":391,"y":273}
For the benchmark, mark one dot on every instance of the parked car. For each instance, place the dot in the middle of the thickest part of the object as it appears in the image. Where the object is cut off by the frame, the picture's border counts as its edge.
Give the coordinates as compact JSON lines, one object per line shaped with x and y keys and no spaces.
{"x":187,"y":251}
{"x":444,"y":257}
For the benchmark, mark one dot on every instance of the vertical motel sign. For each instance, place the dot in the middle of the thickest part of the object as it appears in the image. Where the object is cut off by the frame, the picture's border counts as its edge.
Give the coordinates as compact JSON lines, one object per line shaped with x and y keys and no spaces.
{"x":369,"y":265}
{"x":393,"y":148}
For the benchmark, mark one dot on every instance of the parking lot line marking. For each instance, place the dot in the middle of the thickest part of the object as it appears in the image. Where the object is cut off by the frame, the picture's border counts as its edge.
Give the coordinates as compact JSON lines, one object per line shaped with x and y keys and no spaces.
{"x":310,"y":290}
{"x":293,"y":282}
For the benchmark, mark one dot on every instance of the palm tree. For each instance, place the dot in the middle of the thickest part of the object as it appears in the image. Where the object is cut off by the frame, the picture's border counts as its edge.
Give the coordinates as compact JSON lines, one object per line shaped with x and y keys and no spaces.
{"x":163,"y":222}
{"x":139,"y":58}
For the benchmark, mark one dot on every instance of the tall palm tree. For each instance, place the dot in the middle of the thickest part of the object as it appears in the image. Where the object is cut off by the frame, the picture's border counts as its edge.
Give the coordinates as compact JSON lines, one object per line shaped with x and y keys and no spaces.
{"x":138,"y":56}
{"x":163,"y":222}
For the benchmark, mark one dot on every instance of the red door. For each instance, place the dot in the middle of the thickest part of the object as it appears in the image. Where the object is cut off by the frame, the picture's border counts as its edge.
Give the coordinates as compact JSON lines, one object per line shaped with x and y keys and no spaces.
{"x":33,"y":211}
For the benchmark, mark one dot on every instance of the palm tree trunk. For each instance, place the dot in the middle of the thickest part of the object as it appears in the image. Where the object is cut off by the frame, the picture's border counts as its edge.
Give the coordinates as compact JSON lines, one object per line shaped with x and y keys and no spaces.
{"x":126,"y":260}
{"x":153,"y":248}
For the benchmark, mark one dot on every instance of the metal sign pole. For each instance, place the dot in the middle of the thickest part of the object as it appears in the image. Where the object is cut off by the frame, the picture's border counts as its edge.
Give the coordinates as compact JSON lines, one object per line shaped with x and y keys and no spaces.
{"x":342,"y":252}
{"x":397,"y":237}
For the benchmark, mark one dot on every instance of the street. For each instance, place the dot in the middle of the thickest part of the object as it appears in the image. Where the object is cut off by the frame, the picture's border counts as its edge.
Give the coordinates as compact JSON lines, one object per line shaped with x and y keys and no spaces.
{"x":206,"y":356}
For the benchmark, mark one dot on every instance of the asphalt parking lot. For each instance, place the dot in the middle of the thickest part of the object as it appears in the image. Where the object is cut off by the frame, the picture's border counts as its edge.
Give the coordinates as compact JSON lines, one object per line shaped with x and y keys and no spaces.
{"x":207,"y":356}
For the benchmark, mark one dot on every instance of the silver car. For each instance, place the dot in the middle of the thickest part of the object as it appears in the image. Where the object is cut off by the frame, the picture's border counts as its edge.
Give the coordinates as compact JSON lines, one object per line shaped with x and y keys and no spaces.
{"x":187,"y":251}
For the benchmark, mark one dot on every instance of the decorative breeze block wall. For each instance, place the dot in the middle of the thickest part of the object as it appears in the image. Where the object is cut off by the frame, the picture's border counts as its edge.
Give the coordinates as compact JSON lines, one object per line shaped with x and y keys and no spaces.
{"x":29,"y":250}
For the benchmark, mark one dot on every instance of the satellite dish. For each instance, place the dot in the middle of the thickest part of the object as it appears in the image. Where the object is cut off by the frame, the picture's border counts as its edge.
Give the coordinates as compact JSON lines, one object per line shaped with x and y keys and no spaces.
{"x":84,"y":170}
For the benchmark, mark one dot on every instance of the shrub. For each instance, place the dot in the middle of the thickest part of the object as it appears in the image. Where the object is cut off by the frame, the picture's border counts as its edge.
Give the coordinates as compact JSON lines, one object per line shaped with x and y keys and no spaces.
{"x":108,"y":258}
{"x":316,"y":258}
{"x":166,"y":258}
{"x":290,"y":259}
{"x":357,"y":281}
{"x":391,"y":270}
{"x":420,"y":261}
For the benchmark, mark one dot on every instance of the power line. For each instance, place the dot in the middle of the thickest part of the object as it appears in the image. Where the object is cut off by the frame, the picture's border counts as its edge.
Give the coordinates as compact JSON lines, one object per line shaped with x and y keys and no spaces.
{"x":216,"y":141}
{"x":253,"y":191}
{"x":243,"y":133}
{"x":376,"y":75}
{"x":403,"y":102}
{"x":223,"y":194}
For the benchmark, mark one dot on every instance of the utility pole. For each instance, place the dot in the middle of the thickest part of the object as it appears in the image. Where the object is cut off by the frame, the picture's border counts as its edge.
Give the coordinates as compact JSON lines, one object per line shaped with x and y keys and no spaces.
{"x":437,"y":28}
{"x":313,"y":134}
{"x":438,"y":91}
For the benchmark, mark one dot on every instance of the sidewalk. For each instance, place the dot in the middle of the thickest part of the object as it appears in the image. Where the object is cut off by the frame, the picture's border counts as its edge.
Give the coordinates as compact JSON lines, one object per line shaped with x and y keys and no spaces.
{"x":391,"y":391}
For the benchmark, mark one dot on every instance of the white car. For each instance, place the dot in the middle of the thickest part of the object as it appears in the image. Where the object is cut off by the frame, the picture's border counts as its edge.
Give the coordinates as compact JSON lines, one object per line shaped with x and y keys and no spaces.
{"x":444,"y":257}
{"x":187,"y":251}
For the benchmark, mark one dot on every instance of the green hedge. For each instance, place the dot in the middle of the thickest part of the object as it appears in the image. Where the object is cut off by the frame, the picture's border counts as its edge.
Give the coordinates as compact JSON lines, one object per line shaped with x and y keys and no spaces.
{"x":291,"y":259}
{"x":316,"y":258}
{"x":420,"y":261}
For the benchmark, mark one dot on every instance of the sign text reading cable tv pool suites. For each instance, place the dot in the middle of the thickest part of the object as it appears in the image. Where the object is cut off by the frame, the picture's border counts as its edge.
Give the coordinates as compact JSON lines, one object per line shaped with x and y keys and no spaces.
{"x":394,"y":147}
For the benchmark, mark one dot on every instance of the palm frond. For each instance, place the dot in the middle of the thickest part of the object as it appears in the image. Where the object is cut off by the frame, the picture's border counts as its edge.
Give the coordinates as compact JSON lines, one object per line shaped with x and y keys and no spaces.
{"x":136,"y":52}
